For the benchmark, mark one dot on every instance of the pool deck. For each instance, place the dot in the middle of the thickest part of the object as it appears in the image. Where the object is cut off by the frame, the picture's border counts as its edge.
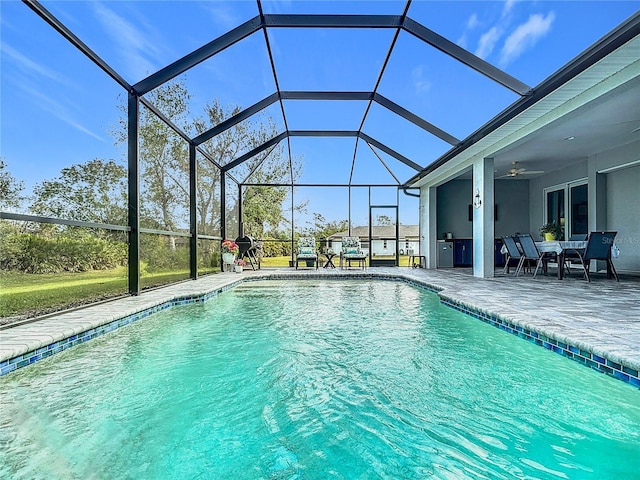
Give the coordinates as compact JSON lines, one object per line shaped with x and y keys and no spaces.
{"x":601,"y":317}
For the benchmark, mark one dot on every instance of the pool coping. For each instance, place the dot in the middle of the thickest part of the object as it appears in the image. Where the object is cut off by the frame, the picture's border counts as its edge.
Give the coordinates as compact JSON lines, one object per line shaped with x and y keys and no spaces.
{"x":26,"y":344}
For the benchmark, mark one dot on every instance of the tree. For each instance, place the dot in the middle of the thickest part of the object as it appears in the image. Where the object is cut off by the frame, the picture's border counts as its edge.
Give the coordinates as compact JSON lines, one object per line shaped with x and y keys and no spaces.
{"x":383,"y":220}
{"x":10,"y":188}
{"x":94,"y":191}
{"x":322,"y":229}
{"x":262,"y":205}
{"x":164,"y":165}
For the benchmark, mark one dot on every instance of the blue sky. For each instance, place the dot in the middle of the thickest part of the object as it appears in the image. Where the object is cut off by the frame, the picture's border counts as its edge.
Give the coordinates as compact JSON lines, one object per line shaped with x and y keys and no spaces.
{"x":58,"y":109}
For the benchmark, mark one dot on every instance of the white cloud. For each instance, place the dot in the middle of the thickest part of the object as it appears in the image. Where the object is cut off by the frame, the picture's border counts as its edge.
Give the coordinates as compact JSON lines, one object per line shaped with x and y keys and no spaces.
{"x":488,"y":42}
{"x":136,"y":46}
{"x":30,"y":67}
{"x":55,"y":108}
{"x":525,"y":36}
{"x":508,"y":6}
{"x":222,"y":14}
{"x":420,"y":83}
{"x":473,"y":22}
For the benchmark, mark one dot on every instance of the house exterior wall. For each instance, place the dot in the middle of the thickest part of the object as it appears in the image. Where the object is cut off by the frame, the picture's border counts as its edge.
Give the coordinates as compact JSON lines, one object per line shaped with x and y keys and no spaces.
{"x":511,"y":198}
{"x":378,"y":248}
{"x":623,"y":216}
{"x":622,"y":198}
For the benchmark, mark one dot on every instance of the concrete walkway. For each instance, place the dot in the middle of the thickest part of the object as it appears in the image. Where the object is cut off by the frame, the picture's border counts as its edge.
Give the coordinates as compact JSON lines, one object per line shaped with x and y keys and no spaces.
{"x":601,"y":318}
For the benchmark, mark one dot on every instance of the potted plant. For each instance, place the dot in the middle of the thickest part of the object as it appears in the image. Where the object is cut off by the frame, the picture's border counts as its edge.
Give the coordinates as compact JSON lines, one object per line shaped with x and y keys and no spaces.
{"x":551,"y":231}
{"x":229,"y":250}
{"x":239,"y":265}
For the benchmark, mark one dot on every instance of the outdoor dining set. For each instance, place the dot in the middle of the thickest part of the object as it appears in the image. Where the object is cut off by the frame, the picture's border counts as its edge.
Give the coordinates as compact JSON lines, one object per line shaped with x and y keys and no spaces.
{"x":525,"y":253}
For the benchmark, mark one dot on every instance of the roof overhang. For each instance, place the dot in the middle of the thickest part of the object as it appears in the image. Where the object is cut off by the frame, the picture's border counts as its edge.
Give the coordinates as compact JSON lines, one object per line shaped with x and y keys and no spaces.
{"x":584,"y":86}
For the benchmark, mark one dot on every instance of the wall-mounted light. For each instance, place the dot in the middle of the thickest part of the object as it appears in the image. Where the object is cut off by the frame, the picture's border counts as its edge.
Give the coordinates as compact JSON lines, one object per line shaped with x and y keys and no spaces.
{"x":476,"y":200}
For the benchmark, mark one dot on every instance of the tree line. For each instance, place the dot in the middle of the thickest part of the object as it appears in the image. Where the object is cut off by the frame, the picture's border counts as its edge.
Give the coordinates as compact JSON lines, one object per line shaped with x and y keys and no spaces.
{"x":96,"y":191}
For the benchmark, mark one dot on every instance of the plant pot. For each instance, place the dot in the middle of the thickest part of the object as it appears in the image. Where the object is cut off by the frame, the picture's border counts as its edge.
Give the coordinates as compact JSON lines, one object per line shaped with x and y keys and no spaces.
{"x":237,"y":269}
{"x":228,"y":258}
{"x":549,"y":237}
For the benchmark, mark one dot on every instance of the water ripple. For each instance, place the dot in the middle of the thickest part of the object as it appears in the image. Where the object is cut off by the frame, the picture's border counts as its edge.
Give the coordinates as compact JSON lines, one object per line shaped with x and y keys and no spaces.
{"x":261,"y":382}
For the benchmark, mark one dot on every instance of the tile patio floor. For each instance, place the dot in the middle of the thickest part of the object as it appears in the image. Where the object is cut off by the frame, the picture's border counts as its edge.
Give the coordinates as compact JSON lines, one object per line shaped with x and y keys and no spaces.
{"x":602,"y":317}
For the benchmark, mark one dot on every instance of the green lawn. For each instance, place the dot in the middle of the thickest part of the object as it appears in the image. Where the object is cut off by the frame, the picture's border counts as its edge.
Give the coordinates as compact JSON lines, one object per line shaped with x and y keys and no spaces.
{"x":36,"y":294}
{"x":30,"y":295}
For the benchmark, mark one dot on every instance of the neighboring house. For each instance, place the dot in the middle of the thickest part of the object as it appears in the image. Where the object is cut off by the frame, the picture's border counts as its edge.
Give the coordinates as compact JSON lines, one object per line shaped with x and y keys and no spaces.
{"x":383,"y":239}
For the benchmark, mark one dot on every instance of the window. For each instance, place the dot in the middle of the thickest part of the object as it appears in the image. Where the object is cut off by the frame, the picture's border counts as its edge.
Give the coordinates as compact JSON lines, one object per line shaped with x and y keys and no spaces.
{"x":555,"y":207}
{"x":579,"y":209}
{"x":568,"y":206}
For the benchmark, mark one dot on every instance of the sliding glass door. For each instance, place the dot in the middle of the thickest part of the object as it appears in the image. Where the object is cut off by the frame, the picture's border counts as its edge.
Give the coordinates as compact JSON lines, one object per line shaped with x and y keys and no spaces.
{"x":568,"y":206}
{"x":579,"y":201}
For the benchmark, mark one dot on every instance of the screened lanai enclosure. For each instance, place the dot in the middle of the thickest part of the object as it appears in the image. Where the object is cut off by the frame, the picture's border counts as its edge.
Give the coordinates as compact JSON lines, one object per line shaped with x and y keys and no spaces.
{"x":154,"y":130}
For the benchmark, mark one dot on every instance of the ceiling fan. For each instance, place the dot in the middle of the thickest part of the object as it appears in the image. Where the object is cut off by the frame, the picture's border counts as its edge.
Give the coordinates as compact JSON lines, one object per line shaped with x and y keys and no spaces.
{"x":516,"y":172}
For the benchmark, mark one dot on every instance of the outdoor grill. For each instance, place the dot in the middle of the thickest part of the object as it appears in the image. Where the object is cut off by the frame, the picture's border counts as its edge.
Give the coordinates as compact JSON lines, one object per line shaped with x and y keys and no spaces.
{"x":248,"y":249}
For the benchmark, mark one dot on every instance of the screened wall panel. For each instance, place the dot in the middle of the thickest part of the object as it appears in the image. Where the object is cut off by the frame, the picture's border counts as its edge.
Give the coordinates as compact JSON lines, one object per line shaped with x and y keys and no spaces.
{"x":47,"y":268}
{"x":228,"y":82}
{"x":164,"y":259}
{"x":164,"y":175}
{"x":140,"y":38}
{"x":208,"y":256}
{"x":207,"y":197}
{"x":326,"y":59}
{"x":62,"y":136}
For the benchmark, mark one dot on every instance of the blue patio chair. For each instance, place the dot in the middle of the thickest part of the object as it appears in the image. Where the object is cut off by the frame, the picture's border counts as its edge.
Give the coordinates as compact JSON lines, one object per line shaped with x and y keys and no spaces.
{"x":530,"y":252}
{"x":307,"y":251}
{"x":513,"y":252}
{"x":352,"y":252}
{"x":573,"y":255}
{"x":598,"y":248}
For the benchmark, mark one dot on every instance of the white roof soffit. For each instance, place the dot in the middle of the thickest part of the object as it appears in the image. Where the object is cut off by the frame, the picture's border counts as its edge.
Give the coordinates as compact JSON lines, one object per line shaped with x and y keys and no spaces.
{"x":615,"y":70}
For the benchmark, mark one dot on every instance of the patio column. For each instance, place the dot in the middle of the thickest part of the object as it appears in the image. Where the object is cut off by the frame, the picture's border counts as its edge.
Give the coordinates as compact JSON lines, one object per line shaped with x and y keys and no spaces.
{"x":428,"y":225}
{"x":597,"y":200}
{"x":597,"y":197}
{"x":483,"y":224}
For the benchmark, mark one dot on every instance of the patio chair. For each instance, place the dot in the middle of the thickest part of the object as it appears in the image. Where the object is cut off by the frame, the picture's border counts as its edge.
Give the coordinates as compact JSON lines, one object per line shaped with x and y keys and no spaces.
{"x":513,"y":252}
{"x":307,"y":251}
{"x":352,"y":252}
{"x":598,"y":248}
{"x":573,"y":255}
{"x":531,"y":252}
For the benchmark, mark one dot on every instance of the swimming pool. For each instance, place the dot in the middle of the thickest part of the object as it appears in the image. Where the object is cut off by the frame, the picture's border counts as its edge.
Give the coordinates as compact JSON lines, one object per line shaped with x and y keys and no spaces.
{"x":304,"y":379}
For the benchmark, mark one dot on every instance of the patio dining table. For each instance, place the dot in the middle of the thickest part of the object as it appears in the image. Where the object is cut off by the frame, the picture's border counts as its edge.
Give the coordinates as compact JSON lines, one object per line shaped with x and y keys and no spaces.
{"x":560,"y":247}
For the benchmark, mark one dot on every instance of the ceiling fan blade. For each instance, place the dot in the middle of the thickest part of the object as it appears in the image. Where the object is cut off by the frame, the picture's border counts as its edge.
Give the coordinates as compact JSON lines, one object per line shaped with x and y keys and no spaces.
{"x":532,"y":172}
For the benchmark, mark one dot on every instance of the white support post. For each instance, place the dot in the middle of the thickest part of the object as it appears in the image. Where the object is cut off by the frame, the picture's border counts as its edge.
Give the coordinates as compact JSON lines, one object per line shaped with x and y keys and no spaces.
{"x":428,"y":225}
{"x":483,"y":221}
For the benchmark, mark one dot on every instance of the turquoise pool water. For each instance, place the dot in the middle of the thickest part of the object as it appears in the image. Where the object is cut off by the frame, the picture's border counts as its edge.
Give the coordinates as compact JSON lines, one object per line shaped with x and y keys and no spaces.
{"x":293,"y":380}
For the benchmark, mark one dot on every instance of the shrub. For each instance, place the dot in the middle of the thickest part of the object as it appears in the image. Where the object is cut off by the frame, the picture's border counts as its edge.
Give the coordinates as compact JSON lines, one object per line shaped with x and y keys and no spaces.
{"x":33,"y":253}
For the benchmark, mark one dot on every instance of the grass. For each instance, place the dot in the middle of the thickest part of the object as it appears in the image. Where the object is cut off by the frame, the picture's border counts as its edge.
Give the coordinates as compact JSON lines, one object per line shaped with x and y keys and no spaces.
{"x":29,"y":295}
